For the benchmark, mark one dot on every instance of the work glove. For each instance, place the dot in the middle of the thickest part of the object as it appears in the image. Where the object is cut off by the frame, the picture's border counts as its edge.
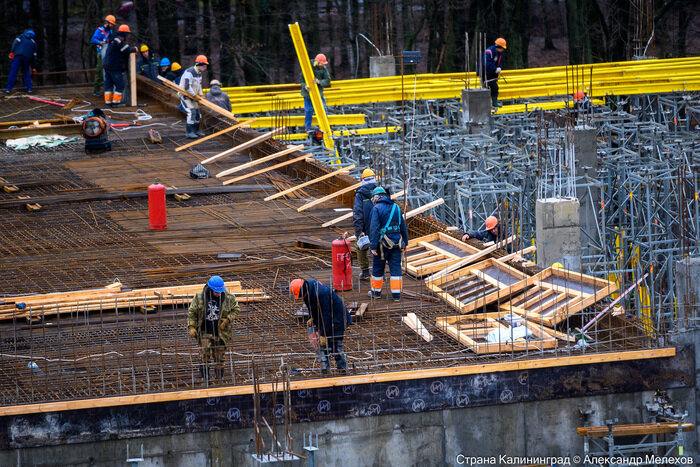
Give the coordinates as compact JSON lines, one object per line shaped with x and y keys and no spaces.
{"x":310,"y":323}
{"x":193,"y":332}
{"x":223,"y":322}
{"x":317,"y":81}
{"x":374,"y":252}
{"x":33,"y":71}
{"x":465,"y":237}
{"x":307,"y":88}
{"x":498,"y":70}
{"x":12,"y":56}
{"x":323,"y":341}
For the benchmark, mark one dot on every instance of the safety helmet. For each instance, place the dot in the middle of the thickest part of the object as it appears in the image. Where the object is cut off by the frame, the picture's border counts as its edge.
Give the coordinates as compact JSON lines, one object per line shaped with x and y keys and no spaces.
{"x":175,"y":66}
{"x":215,"y":82}
{"x":501,"y":42}
{"x":578,"y":95}
{"x":491,"y":222}
{"x":124,"y":28}
{"x":378,"y":191}
{"x":295,"y":287}
{"x":111,"y":19}
{"x":367,"y":173}
{"x":320,"y":58}
{"x":164,"y":61}
{"x":558,"y":266}
{"x":143,"y":48}
{"x":201,"y":59}
{"x":30,"y":33}
{"x":216,"y":283}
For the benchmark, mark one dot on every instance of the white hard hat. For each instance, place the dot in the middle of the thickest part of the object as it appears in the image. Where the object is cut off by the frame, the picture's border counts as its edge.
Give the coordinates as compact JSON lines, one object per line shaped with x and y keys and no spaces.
{"x":215,"y":82}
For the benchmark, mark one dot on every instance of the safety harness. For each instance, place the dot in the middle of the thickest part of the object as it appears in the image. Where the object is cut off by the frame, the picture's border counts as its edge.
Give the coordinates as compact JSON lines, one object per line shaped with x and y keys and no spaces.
{"x":385,"y":241}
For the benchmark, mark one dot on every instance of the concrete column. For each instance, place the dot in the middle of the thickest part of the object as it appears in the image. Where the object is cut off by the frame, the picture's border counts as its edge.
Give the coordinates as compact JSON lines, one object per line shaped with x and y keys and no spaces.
{"x":558,"y":233}
{"x":476,"y":109}
{"x":585,"y":146}
{"x":382,"y":66}
{"x":688,"y":292}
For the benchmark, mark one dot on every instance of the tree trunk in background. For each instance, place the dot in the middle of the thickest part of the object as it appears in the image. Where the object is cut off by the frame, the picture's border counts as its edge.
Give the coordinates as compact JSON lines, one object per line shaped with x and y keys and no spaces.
{"x":207,"y":26}
{"x":547,"y":20}
{"x":518,"y":45}
{"x":684,"y":21}
{"x":222,"y":20}
{"x":143,"y":33}
{"x":620,"y":41}
{"x":55,"y":49}
{"x":166,"y":29}
{"x":191,"y":8}
{"x":37,"y":23}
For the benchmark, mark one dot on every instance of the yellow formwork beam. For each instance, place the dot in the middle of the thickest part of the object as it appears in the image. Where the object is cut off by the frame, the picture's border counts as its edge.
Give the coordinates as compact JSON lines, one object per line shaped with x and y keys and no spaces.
{"x":520,"y":108}
{"x":315,"y":94}
{"x":298,"y":120}
{"x":338,"y":133}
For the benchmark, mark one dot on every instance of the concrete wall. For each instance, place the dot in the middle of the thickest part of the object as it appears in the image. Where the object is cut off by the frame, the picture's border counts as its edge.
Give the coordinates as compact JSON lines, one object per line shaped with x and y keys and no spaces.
{"x":558,"y":233}
{"x":380,"y":67}
{"x":545,"y":428}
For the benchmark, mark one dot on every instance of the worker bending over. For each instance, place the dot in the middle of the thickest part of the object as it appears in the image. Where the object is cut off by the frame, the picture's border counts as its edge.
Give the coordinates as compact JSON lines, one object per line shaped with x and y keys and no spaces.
{"x":191,"y":81}
{"x":388,"y":238}
{"x":217,"y":96}
{"x":23,"y":56}
{"x":491,"y":67}
{"x":322,"y":79}
{"x":209,"y":321}
{"x":329,"y":318}
{"x":361,"y":214}
{"x":115,"y":63}
{"x":492,"y":232}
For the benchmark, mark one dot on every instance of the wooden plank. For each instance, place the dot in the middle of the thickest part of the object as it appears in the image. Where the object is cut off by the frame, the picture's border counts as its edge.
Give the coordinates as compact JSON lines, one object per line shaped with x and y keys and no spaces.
{"x":132,"y":78}
{"x":199,"y":99}
{"x":244,"y":146}
{"x":329,"y":197}
{"x":349,"y":214}
{"x":430,"y":205}
{"x":343,"y":171}
{"x":413,"y":322}
{"x":405,"y":375}
{"x":255,"y":162}
{"x":267,"y":169}
{"x":511,"y":256}
{"x":470,"y":259}
{"x":633,"y":430}
{"x":214,"y":135}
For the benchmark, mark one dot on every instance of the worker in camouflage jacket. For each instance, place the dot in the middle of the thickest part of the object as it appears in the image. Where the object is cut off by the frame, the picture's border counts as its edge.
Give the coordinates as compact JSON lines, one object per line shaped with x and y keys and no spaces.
{"x":209,"y":321}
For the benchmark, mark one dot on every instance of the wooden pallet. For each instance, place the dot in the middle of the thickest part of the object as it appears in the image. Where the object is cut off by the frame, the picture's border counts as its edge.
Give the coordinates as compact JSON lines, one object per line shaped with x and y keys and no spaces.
{"x":476,"y":286}
{"x":471,"y":331}
{"x":431,"y":253}
{"x":555,"y":294}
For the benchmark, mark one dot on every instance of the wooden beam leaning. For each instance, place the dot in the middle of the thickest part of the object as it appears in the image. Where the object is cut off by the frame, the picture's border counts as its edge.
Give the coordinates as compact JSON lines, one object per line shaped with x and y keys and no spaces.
{"x":329,"y":197}
{"x":198,"y":99}
{"x":425,"y":207}
{"x":246,"y":145}
{"x":349,"y":214}
{"x":214,"y":135}
{"x":343,"y":171}
{"x":267,"y":169}
{"x":132,"y":79}
{"x":290,"y":149}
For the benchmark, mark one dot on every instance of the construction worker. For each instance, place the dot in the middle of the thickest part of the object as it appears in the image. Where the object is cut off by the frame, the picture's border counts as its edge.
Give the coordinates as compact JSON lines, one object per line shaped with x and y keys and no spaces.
{"x":491,"y":233}
{"x":491,"y":67}
{"x":164,"y":66}
{"x":191,"y":81}
{"x":115,"y":61}
{"x":147,"y":66}
{"x":322,"y":79}
{"x":328,"y":317}
{"x":177,"y":71}
{"x":217,"y":96}
{"x":101,"y":37}
{"x":23,"y":56}
{"x":388,"y":236}
{"x":582,"y":105}
{"x":361,"y":214}
{"x":209,"y":321}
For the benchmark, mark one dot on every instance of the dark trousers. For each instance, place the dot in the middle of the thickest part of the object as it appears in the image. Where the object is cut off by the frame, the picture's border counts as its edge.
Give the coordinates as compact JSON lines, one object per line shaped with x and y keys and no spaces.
{"x":114,"y":81}
{"x":20,"y":62}
{"x":334,"y":347}
{"x":492,"y":83}
{"x":99,"y":78}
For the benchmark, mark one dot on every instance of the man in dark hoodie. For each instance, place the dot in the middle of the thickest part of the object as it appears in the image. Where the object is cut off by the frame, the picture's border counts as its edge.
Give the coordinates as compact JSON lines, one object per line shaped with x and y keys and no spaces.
{"x":114,"y":64}
{"x":217,"y":96}
{"x":23,"y":56}
{"x":388,"y":238}
{"x":147,"y":65}
{"x":361,"y":213}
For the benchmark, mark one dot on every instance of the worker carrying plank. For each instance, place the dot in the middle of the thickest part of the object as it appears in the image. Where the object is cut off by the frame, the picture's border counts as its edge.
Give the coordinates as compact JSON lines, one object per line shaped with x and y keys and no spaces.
{"x":388,"y":237}
{"x":322,"y":79}
{"x":209,"y":321}
{"x":491,"y":61}
{"x":492,"y":232}
{"x":361,"y":212}
{"x":191,"y":81}
{"x":328,"y":319}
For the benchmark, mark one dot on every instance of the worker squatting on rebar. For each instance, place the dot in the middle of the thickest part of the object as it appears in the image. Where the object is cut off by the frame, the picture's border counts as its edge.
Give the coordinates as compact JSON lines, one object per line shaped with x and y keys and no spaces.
{"x":361,"y":214}
{"x":492,"y":232}
{"x":328,"y":320}
{"x":209,"y":321}
{"x":388,"y":237}
{"x":491,"y":61}
{"x":322,"y":79}
{"x":191,"y":81}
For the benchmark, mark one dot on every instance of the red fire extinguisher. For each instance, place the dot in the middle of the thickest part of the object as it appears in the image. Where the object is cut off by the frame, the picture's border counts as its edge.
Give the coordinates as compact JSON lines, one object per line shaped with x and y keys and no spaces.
{"x":156,"y":207}
{"x":342,"y":264}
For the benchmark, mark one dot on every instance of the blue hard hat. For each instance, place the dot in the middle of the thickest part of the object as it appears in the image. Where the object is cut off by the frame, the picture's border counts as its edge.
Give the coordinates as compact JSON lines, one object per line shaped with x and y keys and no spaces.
{"x":30,"y":33}
{"x":378,"y":191}
{"x":164,"y":62}
{"x":216,"y":284}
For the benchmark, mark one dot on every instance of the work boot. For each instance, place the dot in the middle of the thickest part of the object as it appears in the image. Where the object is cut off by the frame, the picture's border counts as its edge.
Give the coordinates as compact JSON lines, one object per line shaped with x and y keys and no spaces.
{"x":495,"y":103}
{"x":191,"y":131}
{"x":373,"y":294}
{"x":365,"y":275}
{"x":197,"y":132}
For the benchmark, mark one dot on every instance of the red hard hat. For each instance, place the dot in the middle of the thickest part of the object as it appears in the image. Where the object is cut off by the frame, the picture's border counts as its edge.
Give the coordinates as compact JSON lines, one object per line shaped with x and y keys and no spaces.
{"x":491,"y":222}
{"x":320,"y":58}
{"x":111,"y":19}
{"x":295,"y":287}
{"x":124,"y":28}
{"x":578,"y":95}
{"x":201,"y":59}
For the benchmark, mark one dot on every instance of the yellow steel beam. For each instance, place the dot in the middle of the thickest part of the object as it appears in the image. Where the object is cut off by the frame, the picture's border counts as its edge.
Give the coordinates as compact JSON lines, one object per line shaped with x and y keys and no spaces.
{"x":298,"y":120}
{"x":338,"y":133}
{"x":315,"y":94}
{"x":520,"y":108}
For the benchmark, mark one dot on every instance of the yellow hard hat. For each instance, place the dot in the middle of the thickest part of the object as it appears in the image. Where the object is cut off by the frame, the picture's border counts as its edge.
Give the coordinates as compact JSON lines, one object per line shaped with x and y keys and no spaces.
{"x":367,"y":173}
{"x":558,"y":266}
{"x":144,"y":48}
{"x":175,"y":66}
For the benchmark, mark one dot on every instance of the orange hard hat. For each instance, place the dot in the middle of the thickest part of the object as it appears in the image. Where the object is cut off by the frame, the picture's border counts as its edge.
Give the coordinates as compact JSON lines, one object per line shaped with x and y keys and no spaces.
{"x":201,"y":59}
{"x":295,"y":287}
{"x":124,"y":28}
{"x":111,"y":19}
{"x":321,"y":58}
{"x":491,"y":222}
{"x":501,"y":42}
{"x":578,"y":95}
